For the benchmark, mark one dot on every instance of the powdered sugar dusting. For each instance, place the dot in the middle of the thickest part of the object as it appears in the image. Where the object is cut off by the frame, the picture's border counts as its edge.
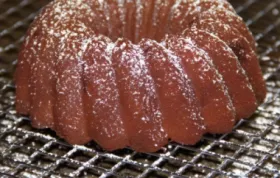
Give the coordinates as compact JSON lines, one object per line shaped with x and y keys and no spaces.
{"x":227,"y":64}
{"x":206,"y":79}
{"x":138,"y":93}
{"x":175,"y":91}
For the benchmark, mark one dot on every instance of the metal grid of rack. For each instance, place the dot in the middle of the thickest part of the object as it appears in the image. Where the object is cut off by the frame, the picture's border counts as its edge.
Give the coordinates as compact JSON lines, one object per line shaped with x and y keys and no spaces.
{"x":252,"y":149}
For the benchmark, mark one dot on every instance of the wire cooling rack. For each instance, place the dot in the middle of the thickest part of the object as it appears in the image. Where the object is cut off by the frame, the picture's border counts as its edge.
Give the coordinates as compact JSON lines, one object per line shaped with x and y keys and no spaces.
{"x":252,"y":149}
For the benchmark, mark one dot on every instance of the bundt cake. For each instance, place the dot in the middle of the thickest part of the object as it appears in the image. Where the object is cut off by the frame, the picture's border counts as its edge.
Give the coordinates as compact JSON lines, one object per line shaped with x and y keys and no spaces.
{"x":138,"y":72}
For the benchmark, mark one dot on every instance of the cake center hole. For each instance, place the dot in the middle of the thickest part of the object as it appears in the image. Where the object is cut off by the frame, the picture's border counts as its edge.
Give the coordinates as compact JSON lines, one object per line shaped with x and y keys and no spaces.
{"x":138,"y":26}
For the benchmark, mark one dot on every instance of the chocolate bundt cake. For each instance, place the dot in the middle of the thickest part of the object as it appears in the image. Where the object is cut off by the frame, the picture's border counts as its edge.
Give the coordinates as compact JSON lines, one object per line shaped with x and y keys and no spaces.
{"x":138,"y":72}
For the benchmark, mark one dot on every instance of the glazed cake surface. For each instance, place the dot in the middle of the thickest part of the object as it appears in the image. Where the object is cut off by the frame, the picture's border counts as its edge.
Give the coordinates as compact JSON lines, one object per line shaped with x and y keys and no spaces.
{"x":138,"y":72}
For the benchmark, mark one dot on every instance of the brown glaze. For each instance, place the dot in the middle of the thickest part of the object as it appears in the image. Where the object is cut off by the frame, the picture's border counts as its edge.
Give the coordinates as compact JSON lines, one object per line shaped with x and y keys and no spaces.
{"x":186,"y":12}
{"x":145,"y":21}
{"x":225,"y":61}
{"x":97,"y":20}
{"x":70,"y":119}
{"x":162,"y":19}
{"x":205,"y":5}
{"x":22,"y":76}
{"x":115,"y":21}
{"x":242,"y":49}
{"x":42,"y":85}
{"x":209,"y":87}
{"x":130,"y":19}
{"x":26,"y":57}
{"x":180,"y":17}
{"x":231,"y":19}
{"x":106,"y":128}
{"x":181,"y":110}
{"x":138,"y":97}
